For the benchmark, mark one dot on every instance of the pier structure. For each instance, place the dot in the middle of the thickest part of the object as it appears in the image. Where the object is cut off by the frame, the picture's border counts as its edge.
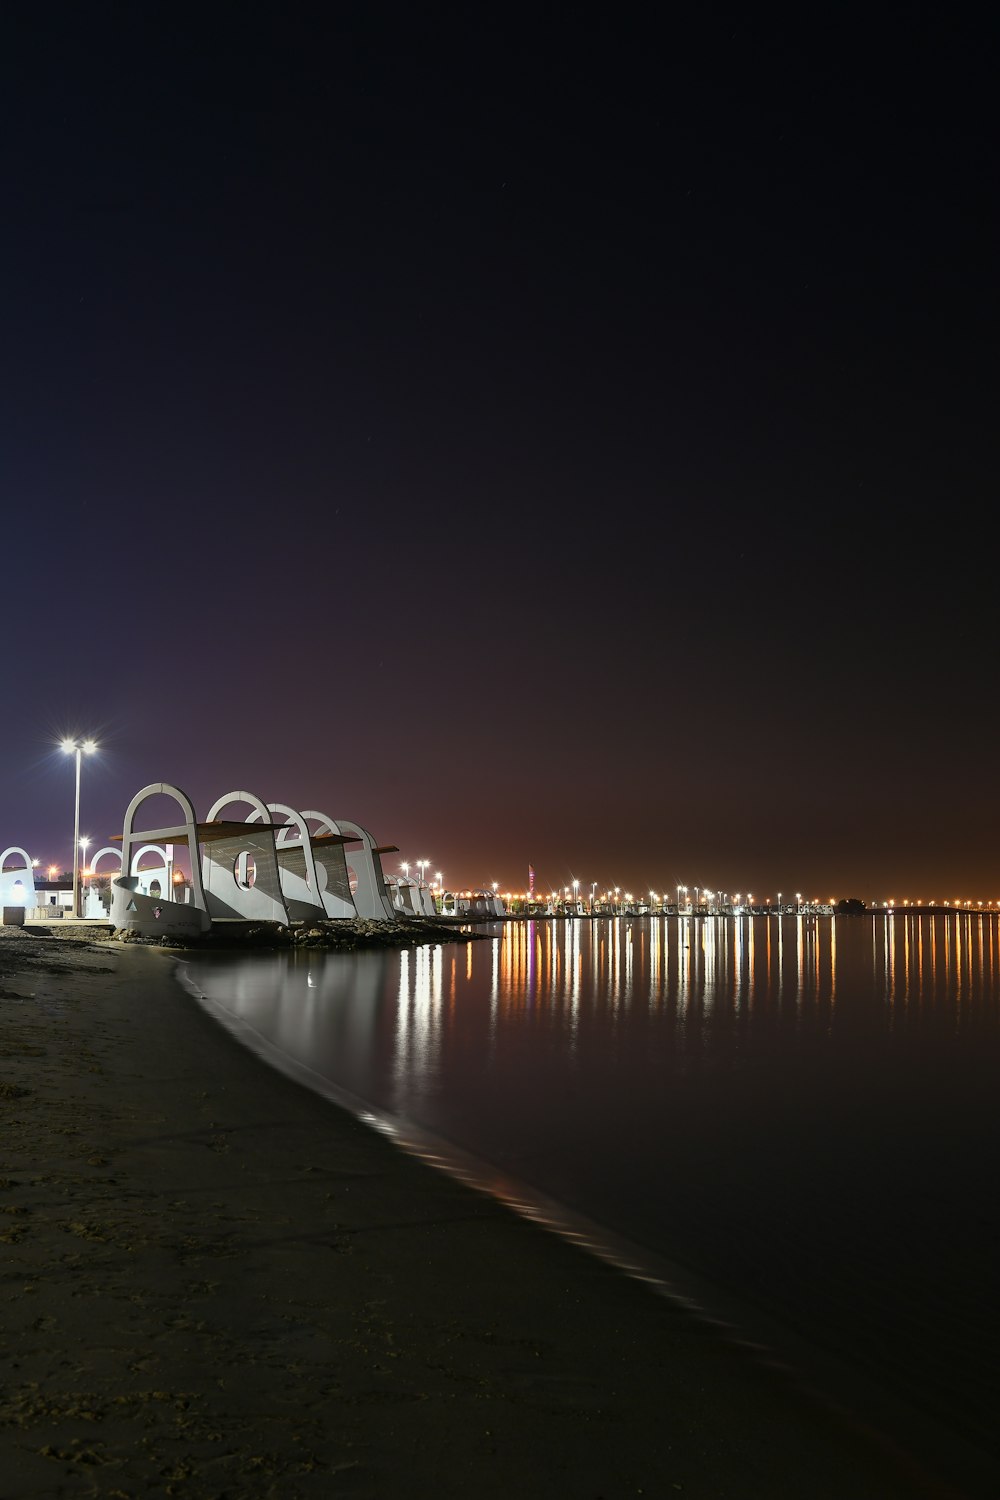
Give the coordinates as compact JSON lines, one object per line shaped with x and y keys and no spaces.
{"x":269,"y":867}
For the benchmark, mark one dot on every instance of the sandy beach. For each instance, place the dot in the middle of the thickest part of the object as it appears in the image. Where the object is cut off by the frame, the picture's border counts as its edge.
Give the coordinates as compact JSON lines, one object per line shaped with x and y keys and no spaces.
{"x":216,"y":1284}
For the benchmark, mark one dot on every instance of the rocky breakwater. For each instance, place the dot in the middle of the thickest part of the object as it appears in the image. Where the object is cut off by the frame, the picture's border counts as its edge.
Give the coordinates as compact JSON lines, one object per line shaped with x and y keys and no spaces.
{"x":335,"y":935}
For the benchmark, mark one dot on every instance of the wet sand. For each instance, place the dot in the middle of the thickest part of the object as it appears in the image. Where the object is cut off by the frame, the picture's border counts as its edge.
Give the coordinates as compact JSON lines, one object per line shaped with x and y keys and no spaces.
{"x":216,"y":1284}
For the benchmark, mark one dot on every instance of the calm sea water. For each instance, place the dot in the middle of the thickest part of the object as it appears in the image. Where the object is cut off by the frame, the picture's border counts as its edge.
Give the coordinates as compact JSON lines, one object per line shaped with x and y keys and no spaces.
{"x":796,"y":1120}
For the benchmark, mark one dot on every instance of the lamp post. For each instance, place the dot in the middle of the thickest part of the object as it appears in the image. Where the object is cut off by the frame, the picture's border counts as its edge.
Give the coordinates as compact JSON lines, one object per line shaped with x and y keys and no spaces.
{"x":83,"y":873}
{"x":79,"y":749}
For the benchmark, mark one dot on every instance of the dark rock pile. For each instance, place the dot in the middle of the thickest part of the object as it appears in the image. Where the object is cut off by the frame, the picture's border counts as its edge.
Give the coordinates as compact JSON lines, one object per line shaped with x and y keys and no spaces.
{"x":339,"y":935}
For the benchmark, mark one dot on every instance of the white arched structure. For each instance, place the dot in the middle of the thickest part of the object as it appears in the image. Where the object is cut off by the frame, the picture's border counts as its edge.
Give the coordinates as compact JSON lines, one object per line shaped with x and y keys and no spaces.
{"x":156,"y":915}
{"x":241,"y":873}
{"x":97,"y":903}
{"x":335,"y":867}
{"x":17,"y":885}
{"x":474,"y":906}
{"x":159,"y":874}
{"x":293,"y":847}
{"x":156,"y":880}
{"x":108,"y":849}
{"x":369,"y":893}
{"x":404,"y":894}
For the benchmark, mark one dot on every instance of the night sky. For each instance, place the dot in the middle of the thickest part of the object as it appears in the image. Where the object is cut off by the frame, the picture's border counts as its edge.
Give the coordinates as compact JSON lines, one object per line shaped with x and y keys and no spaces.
{"x":556,"y":436}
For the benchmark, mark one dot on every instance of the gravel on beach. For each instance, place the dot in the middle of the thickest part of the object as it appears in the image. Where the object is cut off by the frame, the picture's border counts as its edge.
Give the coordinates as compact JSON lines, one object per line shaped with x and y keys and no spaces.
{"x":217,"y":1285}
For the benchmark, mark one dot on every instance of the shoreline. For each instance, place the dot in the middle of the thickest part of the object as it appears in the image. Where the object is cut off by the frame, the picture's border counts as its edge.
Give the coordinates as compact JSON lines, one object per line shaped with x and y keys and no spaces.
{"x":217,"y":1283}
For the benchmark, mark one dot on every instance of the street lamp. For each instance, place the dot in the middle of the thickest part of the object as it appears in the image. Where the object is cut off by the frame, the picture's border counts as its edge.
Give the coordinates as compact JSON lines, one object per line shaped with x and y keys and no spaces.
{"x":79,"y":748}
{"x":422,"y":867}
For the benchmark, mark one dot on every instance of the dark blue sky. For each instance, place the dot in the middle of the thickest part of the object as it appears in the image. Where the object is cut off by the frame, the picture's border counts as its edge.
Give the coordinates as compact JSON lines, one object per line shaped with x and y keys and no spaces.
{"x":539,"y":438}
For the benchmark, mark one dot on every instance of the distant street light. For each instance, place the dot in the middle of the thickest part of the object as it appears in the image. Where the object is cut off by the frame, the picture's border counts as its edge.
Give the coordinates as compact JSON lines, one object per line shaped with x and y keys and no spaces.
{"x":79,"y":749}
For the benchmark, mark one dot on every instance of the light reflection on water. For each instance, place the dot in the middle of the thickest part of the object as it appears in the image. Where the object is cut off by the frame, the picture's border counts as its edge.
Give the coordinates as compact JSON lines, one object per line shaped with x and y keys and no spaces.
{"x":802,"y":1112}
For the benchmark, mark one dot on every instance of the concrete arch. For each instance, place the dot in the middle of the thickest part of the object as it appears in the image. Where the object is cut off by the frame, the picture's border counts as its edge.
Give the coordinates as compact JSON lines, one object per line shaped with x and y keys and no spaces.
{"x":250,"y":798}
{"x":328,"y":842}
{"x":108,"y":849}
{"x":146,"y":914}
{"x":371,"y":899}
{"x":97,"y":903}
{"x":17,"y":886}
{"x":300,"y":886}
{"x":159,"y":874}
{"x":165,"y":853}
{"x":228,"y":889}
